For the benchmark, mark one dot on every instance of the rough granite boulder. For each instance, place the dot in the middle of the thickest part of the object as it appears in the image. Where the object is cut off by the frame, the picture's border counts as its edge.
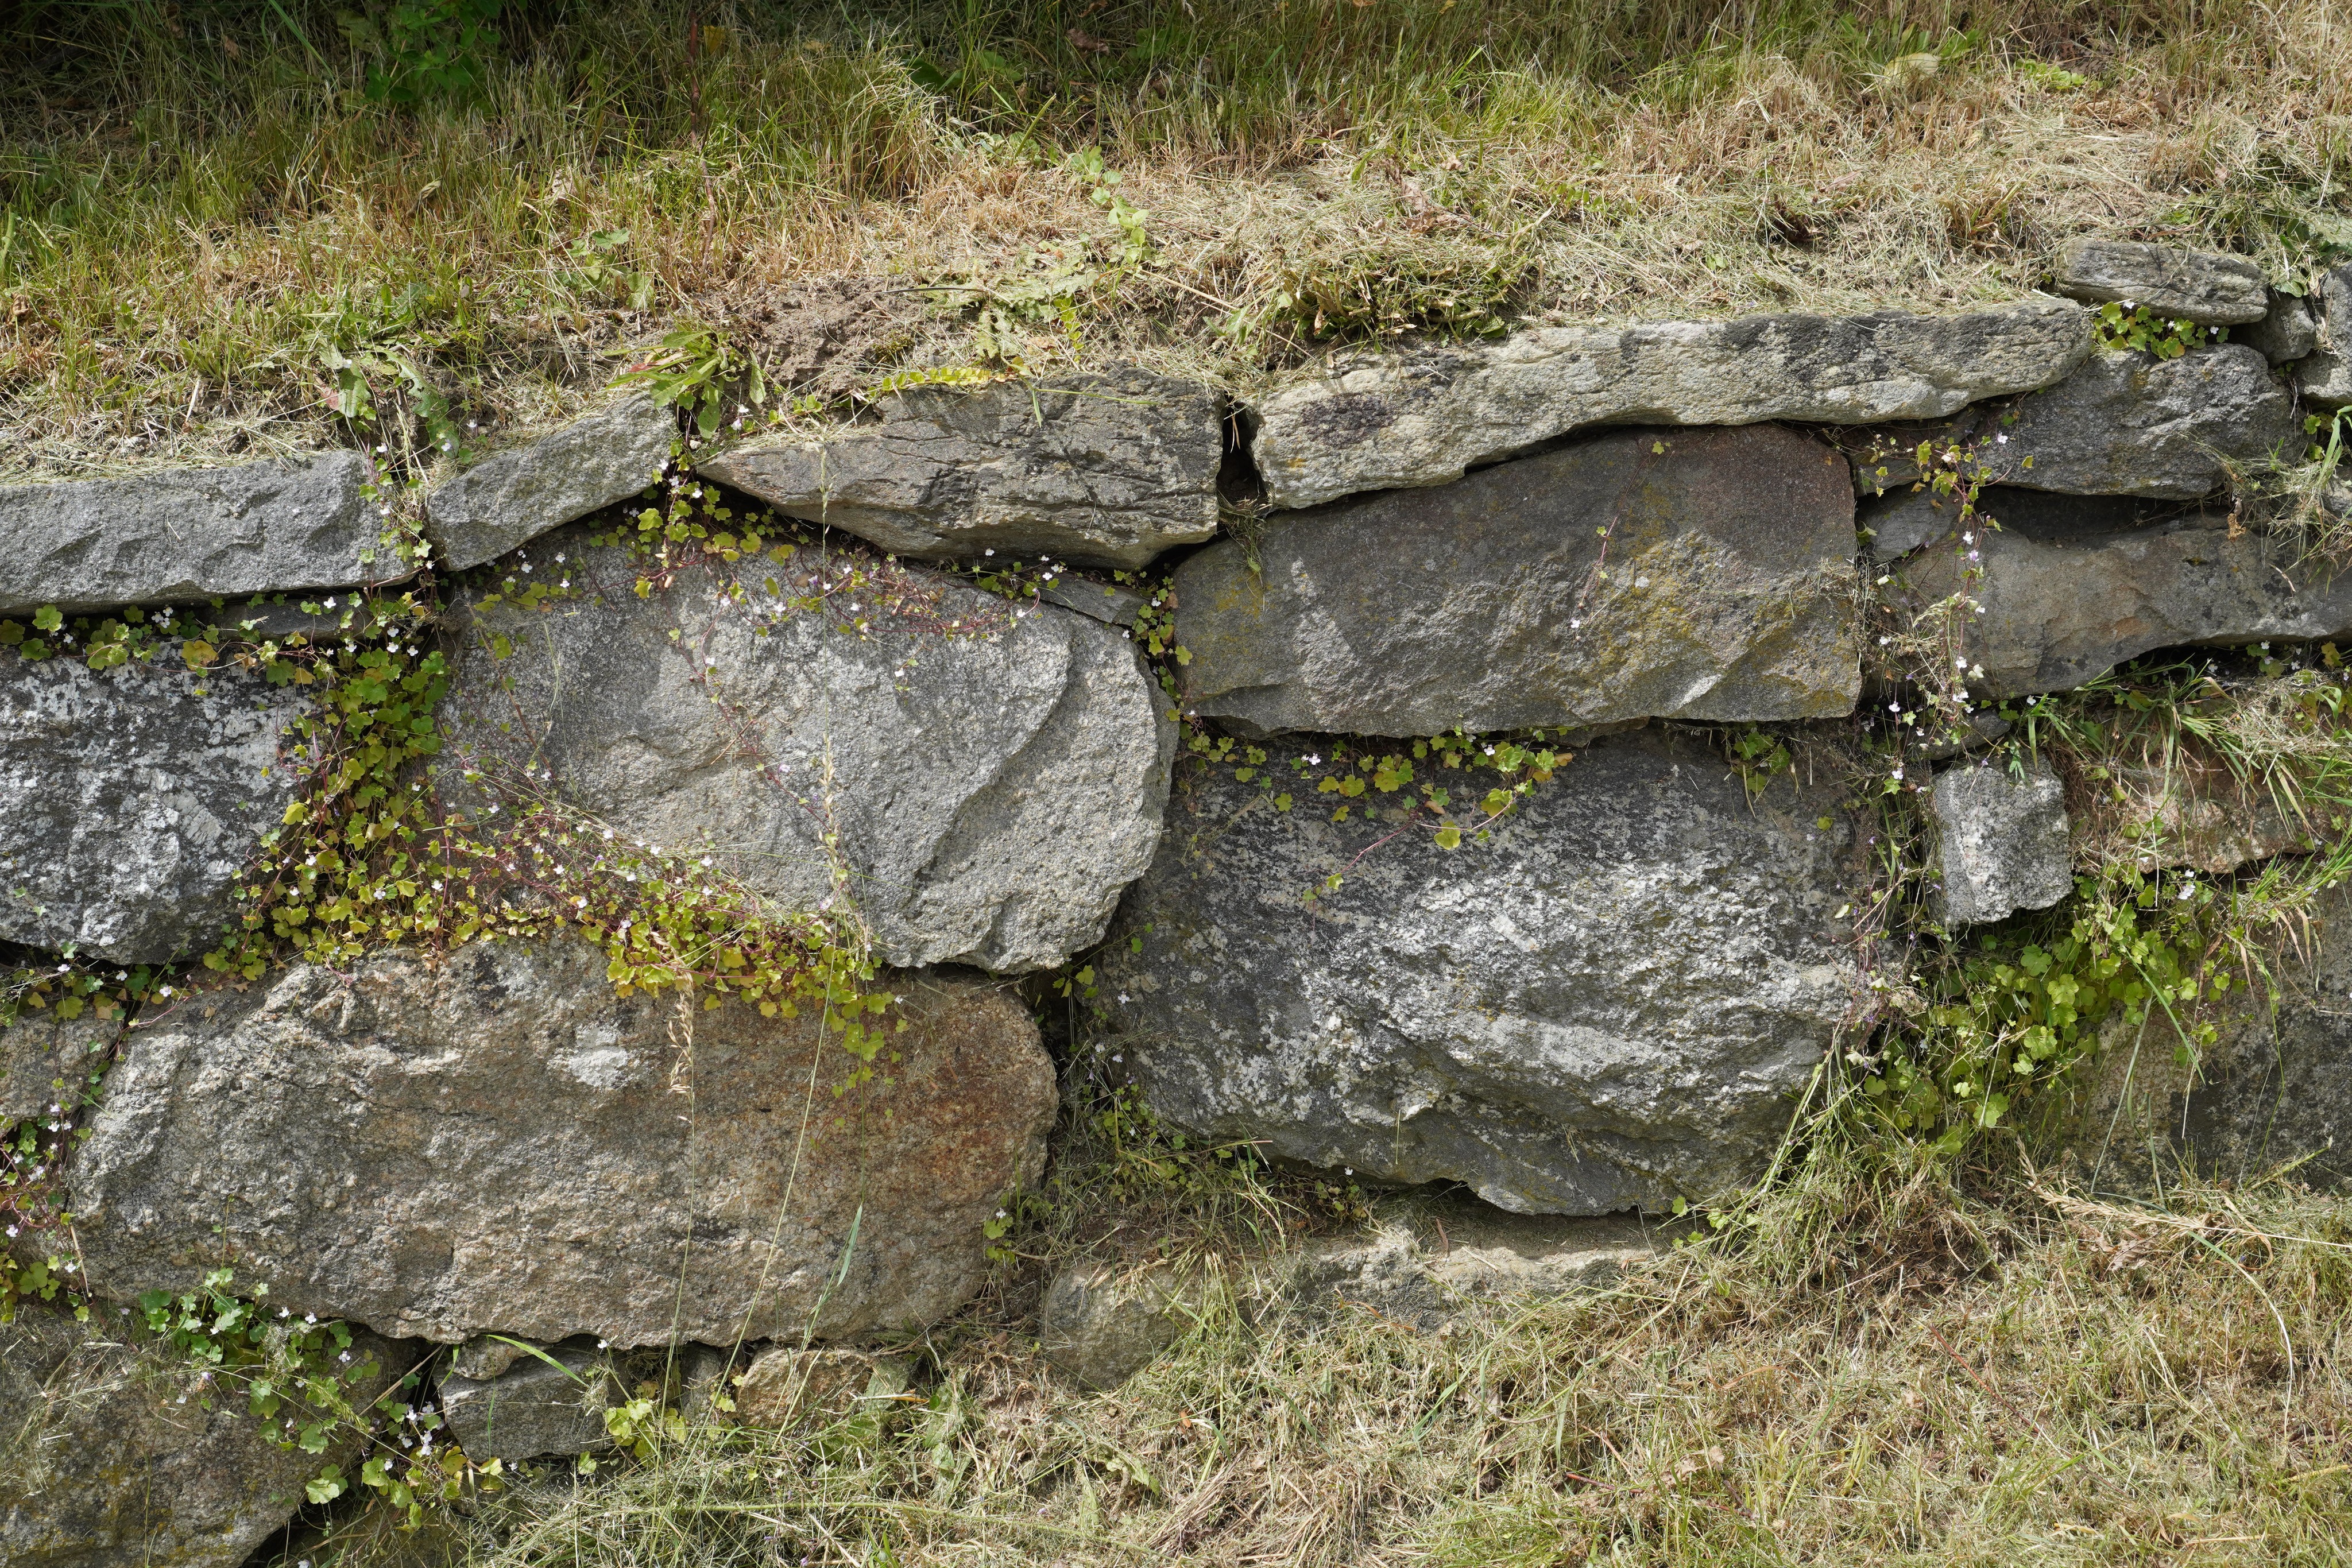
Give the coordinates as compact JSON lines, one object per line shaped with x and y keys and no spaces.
{"x":108,"y":1459}
{"x":2131,"y":424}
{"x":498,"y":1143}
{"x":994,"y":774}
{"x":1612,"y":1003}
{"x":194,"y":533}
{"x":1701,"y":574}
{"x":48,"y":1064}
{"x":515,"y":497}
{"x":2060,"y":610}
{"x":130,"y":797}
{"x":1426,"y":418}
{"x":2197,"y":285}
{"x":2001,"y":843}
{"x":2324,"y":378}
{"x":1103,"y":470}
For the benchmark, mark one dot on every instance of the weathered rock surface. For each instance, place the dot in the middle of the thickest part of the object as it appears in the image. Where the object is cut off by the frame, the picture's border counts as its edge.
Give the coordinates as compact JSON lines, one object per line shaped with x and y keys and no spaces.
{"x":46,"y":1062}
{"x":2198,"y":286}
{"x":994,"y":779}
{"x":2060,"y":611}
{"x":130,"y":797}
{"x":2288,"y":332}
{"x":1425,"y":1258}
{"x":1426,"y":418}
{"x":2324,"y":378}
{"x":1610,"y":1005}
{"x":191,"y":534}
{"x":515,"y":497}
{"x":102,"y":1465}
{"x":787,"y":1386}
{"x":1101,"y":1322}
{"x":1693,"y":574}
{"x":1104,"y":470}
{"x":502,"y":1144}
{"x":2274,"y":1088}
{"x":1104,"y":601}
{"x":2001,"y":843}
{"x":532,"y":1408}
{"x":2133,"y":424}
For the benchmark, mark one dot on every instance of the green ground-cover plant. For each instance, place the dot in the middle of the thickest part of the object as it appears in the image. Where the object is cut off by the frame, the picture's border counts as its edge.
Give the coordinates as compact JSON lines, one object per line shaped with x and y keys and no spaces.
{"x":2126,"y":326}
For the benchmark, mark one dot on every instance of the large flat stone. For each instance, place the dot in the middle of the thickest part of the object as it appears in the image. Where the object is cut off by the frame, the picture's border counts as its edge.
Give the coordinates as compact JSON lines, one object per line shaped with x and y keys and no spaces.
{"x":1104,"y":470}
{"x":1703,"y":574}
{"x":515,"y":497}
{"x":2196,"y":286}
{"x":2133,"y":424}
{"x":130,"y":798}
{"x":991,"y":781}
{"x":500,"y":1143}
{"x":260,"y":527}
{"x":2058,"y":611}
{"x":1426,"y":418}
{"x":2324,"y":377}
{"x":108,"y":1459}
{"x":1612,"y":1004}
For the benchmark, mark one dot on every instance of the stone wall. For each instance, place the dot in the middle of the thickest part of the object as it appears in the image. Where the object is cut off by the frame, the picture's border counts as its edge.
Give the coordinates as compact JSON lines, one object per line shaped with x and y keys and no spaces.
{"x":1456,"y":880}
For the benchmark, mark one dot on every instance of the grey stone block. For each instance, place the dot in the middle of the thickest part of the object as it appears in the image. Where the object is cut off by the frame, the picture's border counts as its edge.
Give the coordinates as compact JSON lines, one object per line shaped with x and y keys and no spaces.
{"x":1099,"y":470}
{"x":2001,"y":843}
{"x":1704,"y":574}
{"x":2060,"y":609}
{"x":1426,"y":418}
{"x":990,"y":774}
{"x":2209,"y":289}
{"x":532,"y":1407}
{"x":515,"y":497}
{"x":497,"y":1142}
{"x":192,"y":534}
{"x":1608,"y":1004}
{"x":131,"y":797}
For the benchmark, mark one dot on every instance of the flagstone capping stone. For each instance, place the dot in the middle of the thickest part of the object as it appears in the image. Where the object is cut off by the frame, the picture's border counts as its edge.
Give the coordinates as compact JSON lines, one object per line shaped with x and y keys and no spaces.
{"x":192,"y":534}
{"x":1430,"y":415}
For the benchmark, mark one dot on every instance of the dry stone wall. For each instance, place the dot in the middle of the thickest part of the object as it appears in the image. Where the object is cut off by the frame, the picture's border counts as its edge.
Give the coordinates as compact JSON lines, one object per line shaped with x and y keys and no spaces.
{"x":1318,"y":931}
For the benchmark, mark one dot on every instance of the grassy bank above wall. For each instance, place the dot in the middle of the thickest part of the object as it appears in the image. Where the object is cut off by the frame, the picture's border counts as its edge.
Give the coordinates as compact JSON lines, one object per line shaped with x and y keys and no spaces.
{"x":255,"y":225}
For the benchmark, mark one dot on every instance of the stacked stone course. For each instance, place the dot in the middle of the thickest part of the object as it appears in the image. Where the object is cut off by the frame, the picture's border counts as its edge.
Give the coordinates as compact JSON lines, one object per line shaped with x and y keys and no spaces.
{"x":1609,"y":1003}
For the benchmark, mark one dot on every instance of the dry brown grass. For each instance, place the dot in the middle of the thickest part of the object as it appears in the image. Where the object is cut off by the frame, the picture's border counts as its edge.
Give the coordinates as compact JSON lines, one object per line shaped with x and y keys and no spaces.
{"x":1861,"y":1372}
{"x":196,"y":236}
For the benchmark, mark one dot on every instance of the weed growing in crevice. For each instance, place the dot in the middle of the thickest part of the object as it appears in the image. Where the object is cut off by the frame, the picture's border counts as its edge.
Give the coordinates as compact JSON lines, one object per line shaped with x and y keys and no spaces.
{"x":2117,"y":325}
